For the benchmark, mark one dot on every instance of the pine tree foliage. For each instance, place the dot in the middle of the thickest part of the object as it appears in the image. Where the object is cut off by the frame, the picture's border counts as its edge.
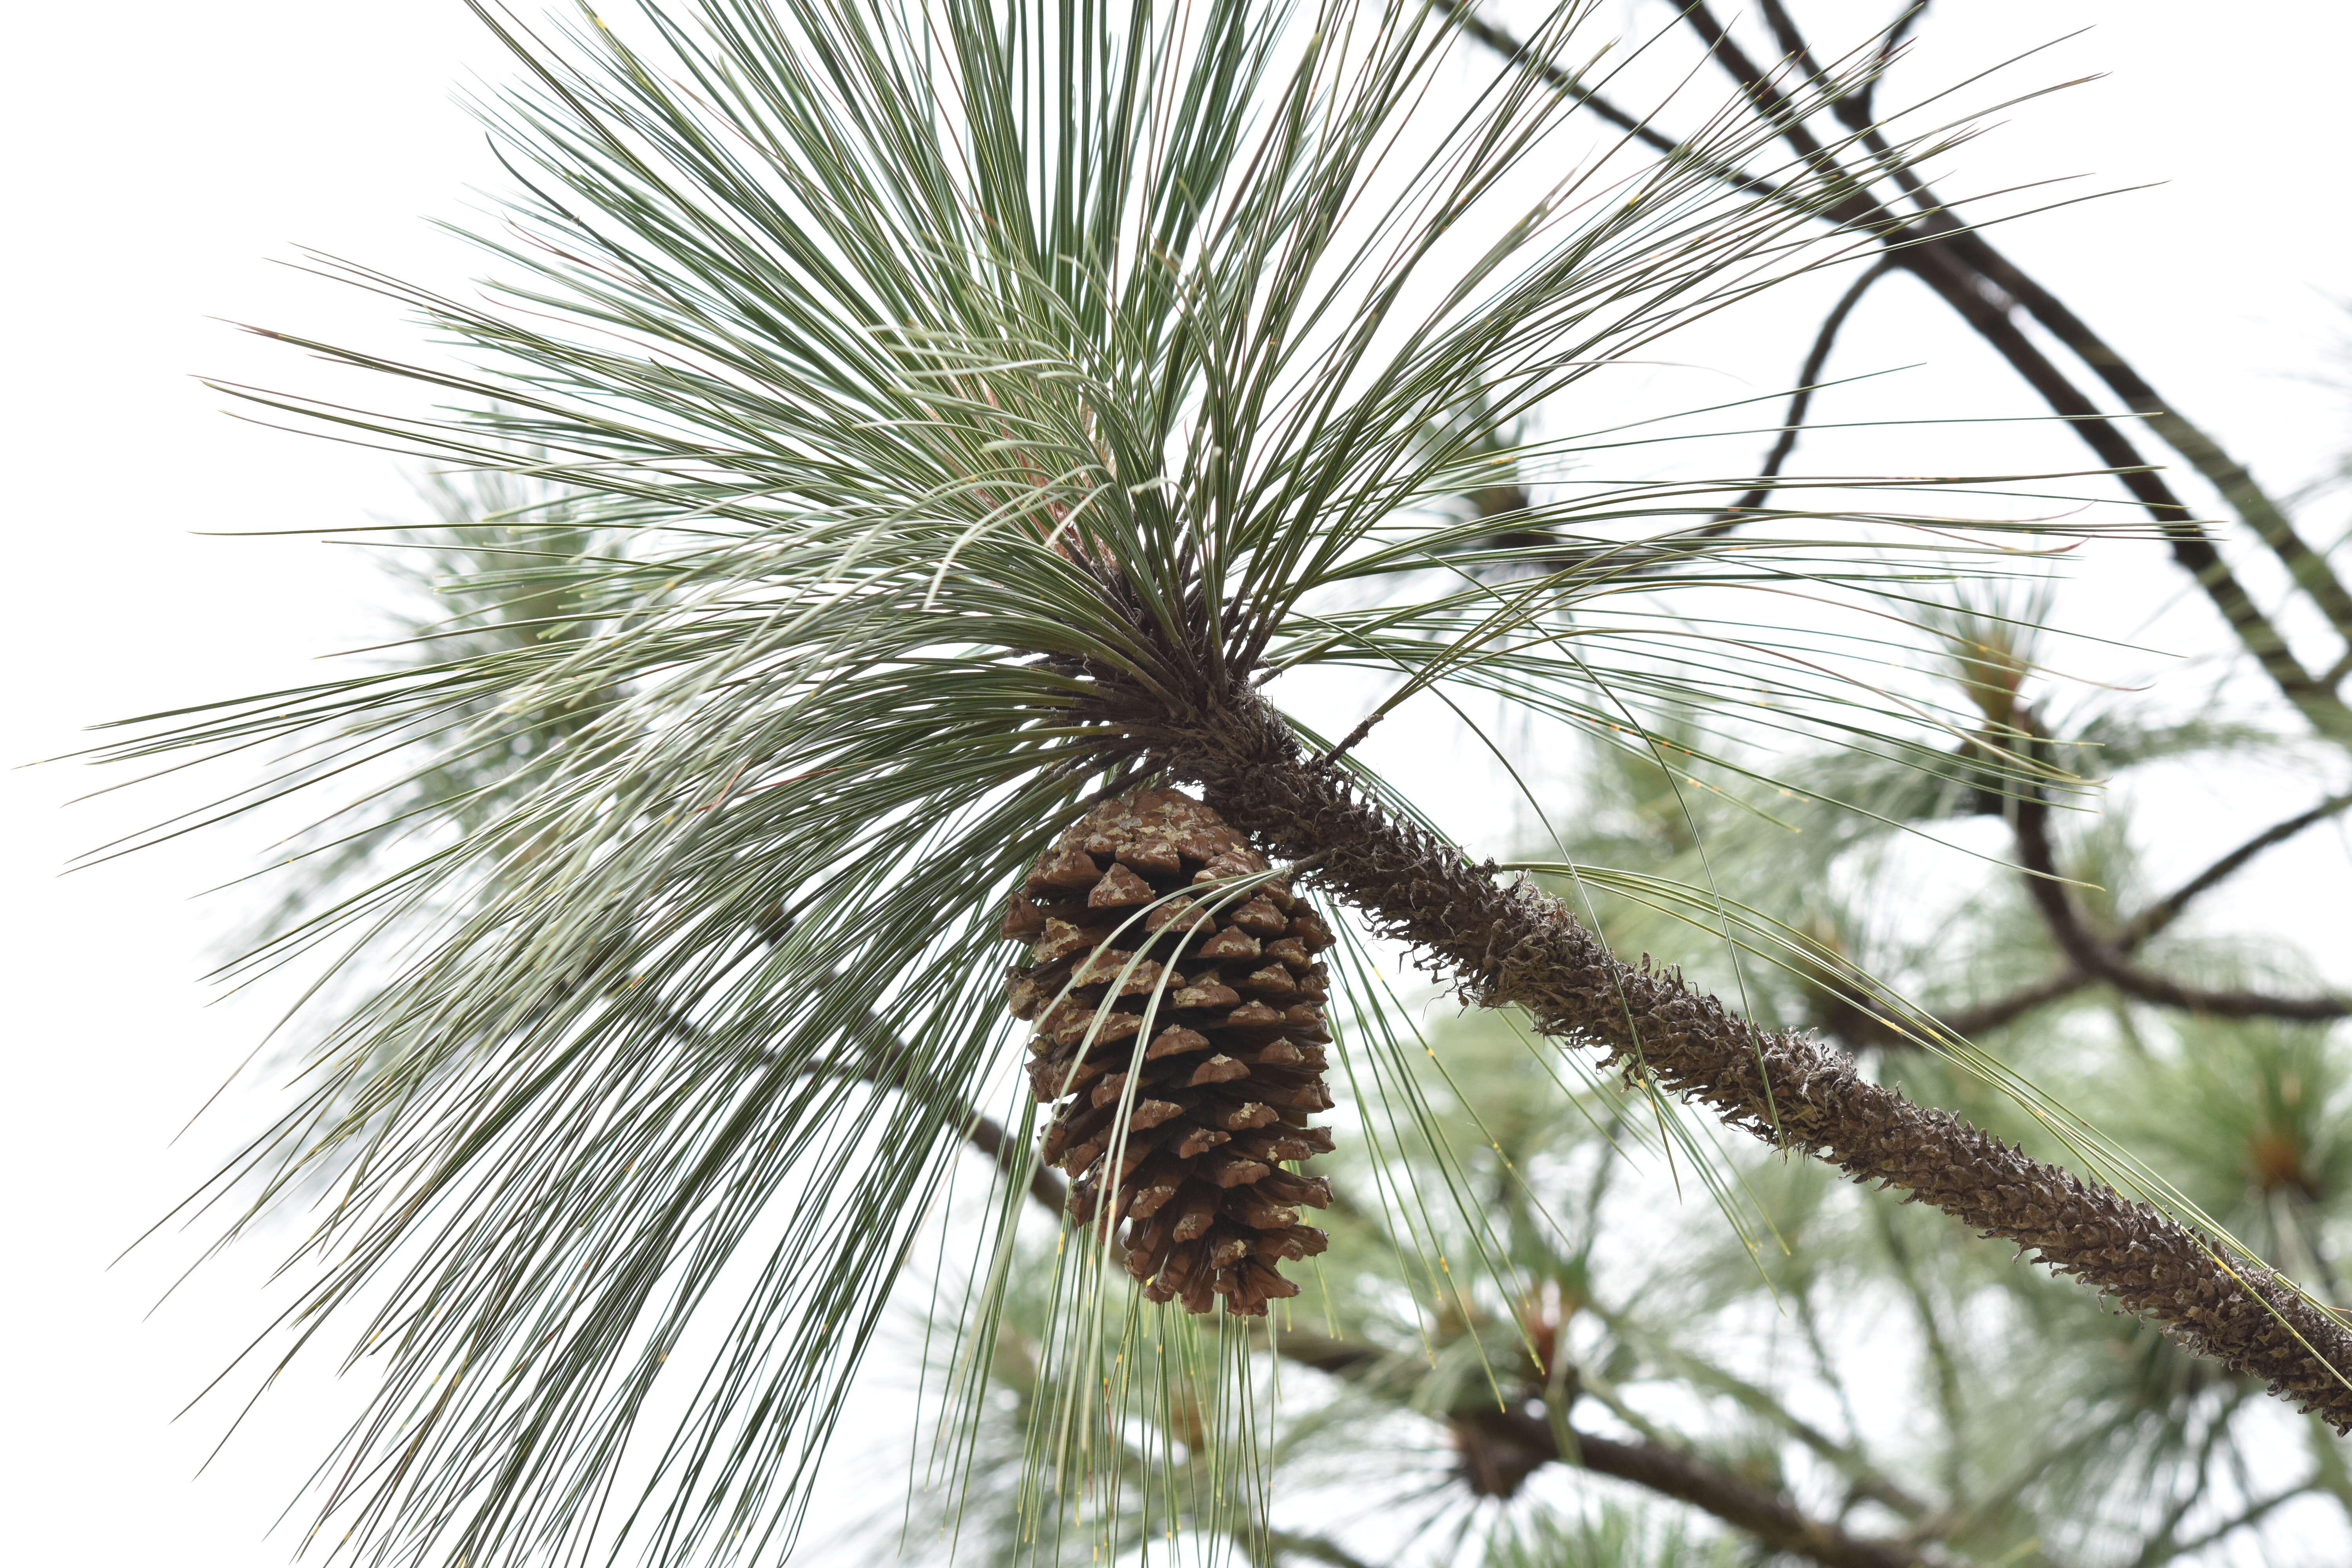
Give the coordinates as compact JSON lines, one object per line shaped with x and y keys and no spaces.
{"x":922,"y":424}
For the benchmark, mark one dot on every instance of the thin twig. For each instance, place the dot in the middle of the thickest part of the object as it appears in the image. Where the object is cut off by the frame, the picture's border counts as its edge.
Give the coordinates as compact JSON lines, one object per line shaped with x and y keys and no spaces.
{"x":2090,"y":954}
{"x":2135,"y":932}
{"x":2163,"y":1549}
{"x":1671,"y":1471}
{"x":1800,"y":402}
{"x":1969,"y":1022}
{"x":2165,"y":911}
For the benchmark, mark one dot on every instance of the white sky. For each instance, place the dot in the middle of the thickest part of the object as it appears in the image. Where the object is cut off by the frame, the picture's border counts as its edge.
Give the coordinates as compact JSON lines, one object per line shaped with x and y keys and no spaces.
{"x":166,"y":158}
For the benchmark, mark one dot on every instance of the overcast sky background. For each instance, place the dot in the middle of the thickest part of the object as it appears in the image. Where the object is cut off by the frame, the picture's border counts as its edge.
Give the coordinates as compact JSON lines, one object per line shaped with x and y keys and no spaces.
{"x":169,"y":161}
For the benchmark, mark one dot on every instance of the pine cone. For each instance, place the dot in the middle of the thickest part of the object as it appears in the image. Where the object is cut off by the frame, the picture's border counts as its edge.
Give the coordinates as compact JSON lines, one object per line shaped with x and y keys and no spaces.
{"x":1234,"y":1064}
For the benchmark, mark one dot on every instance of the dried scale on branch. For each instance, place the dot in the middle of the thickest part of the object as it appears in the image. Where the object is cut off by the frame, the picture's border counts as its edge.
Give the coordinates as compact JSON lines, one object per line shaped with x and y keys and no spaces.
{"x":1514,"y":946}
{"x":1186,"y":1062}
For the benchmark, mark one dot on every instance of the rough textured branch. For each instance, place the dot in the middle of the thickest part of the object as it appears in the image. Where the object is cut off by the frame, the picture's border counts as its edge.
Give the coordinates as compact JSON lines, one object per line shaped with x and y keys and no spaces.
{"x":1511,"y":945}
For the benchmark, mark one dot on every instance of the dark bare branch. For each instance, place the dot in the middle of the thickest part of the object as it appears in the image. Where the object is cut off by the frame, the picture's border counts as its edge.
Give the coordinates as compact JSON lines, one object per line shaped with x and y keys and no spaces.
{"x":2088,"y":953}
{"x":1859,"y":108}
{"x":1809,"y":376}
{"x":2309,"y":568}
{"x":1984,"y":289}
{"x":1526,"y":1442}
{"x":1516,"y":52}
{"x":1971,"y":1021}
{"x":1771,"y":1520}
{"x":1852,"y":107}
{"x":1942,"y":266}
{"x":2136,"y":932}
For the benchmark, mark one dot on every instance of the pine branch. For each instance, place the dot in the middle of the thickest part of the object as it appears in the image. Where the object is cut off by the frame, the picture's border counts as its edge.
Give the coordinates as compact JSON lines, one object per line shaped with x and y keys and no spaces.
{"x":1800,"y":402}
{"x":2093,"y":957}
{"x":2135,"y":932}
{"x":904,"y":521}
{"x":1771,"y":1519}
{"x":1517,"y":946}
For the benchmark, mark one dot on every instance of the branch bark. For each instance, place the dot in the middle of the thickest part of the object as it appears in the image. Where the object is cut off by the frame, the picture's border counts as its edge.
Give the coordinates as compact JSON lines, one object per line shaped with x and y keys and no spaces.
{"x":1513,"y":946}
{"x":1767,"y":1517}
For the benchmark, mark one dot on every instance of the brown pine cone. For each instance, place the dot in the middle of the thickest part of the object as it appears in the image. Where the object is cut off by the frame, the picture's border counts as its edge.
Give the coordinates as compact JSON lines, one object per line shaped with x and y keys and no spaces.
{"x":1234,"y":1064}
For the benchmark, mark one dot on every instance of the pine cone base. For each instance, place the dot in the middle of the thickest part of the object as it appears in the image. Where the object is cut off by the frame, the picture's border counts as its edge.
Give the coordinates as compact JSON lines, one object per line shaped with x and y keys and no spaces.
{"x":1129,"y":932}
